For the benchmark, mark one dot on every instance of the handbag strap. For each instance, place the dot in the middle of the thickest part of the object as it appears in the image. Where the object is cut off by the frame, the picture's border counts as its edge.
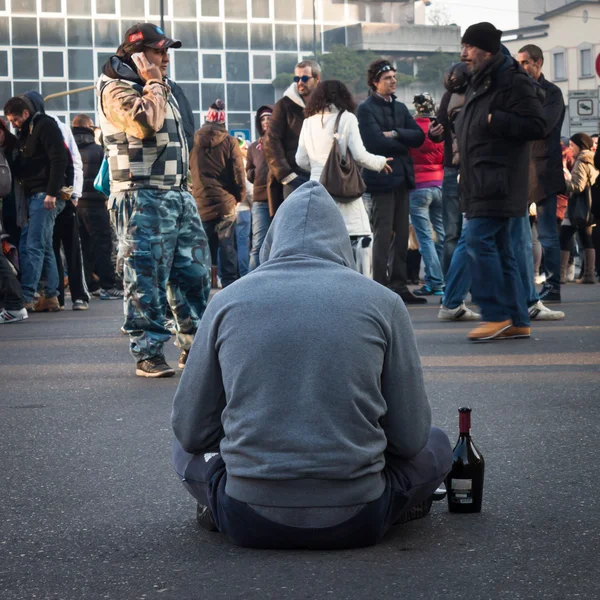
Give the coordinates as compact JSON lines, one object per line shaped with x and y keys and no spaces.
{"x":337,"y":122}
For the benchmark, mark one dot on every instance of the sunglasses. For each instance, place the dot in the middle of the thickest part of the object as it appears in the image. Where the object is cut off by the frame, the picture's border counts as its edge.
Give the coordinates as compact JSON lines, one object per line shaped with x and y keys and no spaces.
{"x":303,"y":79}
{"x":385,"y":69}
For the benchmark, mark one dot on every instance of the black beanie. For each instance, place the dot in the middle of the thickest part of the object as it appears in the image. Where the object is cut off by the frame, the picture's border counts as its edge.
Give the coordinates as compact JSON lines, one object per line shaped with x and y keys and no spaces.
{"x":583,"y":140}
{"x":484,"y":36}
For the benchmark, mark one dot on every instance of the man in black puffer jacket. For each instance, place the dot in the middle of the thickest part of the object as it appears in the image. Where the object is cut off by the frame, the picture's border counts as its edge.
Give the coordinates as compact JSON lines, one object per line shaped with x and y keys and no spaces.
{"x":501,"y":115}
{"x":94,"y":221}
{"x":387,"y":129}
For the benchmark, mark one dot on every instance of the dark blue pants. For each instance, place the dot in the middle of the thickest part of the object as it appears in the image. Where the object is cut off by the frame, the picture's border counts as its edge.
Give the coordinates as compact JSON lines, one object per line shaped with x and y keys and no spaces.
{"x":451,"y":215}
{"x":408,"y":483}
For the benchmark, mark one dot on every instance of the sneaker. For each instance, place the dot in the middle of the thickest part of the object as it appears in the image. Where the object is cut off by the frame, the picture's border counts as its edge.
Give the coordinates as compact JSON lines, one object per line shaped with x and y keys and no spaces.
{"x":427,"y":291}
{"x":12,"y":316}
{"x":123,"y":331}
{"x":515,"y":333}
{"x":539,"y":279}
{"x":96,"y":293}
{"x":416,"y":512}
{"x":460,"y":313}
{"x":571,"y":273}
{"x":410,"y":298}
{"x":539,"y":312}
{"x":62,"y":307}
{"x":80,"y":305}
{"x":44,"y":304}
{"x":154,"y":367}
{"x":550,"y":294}
{"x":183,"y":358}
{"x":205,"y":518}
{"x":111,"y":294}
{"x":488,"y":330}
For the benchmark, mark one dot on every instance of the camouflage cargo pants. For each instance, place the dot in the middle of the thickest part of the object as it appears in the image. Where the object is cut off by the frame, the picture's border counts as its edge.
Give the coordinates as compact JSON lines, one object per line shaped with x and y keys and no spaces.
{"x":165,"y":258}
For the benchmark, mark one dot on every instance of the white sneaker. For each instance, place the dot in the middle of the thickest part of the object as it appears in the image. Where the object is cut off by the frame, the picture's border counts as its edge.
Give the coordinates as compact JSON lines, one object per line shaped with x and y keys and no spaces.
{"x":460,"y":313}
{"x":539,"y":312}
{"x":539,"y":279}
{"x":12,"y":316}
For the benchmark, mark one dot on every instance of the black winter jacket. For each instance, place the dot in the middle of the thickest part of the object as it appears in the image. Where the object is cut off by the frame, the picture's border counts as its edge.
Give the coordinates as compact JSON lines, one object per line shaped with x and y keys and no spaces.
{"x":495,"y":156}
{"x":91,"y":156}
{"x":375,"y":116}
{"x":547,"y":178}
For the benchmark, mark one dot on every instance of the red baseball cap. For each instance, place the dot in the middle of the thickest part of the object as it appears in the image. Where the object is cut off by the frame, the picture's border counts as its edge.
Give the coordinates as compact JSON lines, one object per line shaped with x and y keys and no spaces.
{"x":152,"y":36}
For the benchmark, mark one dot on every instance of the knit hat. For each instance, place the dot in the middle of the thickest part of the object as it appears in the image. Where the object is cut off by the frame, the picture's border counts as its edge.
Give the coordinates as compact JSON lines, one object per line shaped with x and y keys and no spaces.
{"x":583,"y":140}
{"x":216,"y":112}
{"x":484,"y":36}
{"x":424,"y":105}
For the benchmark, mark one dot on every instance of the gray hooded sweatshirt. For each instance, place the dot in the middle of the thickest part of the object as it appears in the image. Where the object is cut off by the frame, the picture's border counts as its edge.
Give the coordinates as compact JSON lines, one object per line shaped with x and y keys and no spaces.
{"x":304,"y":373}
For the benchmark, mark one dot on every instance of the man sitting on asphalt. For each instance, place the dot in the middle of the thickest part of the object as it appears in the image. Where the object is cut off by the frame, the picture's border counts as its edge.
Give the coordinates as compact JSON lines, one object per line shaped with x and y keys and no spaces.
{"x":321,"y":436}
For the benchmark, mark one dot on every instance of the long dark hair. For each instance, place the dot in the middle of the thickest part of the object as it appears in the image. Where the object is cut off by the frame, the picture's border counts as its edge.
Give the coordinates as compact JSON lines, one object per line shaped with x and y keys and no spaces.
{"x":327,"y":93}
{"x":10,"y":141}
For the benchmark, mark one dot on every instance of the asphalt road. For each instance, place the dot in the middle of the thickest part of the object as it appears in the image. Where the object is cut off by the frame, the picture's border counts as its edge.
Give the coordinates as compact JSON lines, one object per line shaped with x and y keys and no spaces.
{"x":90,"y":507}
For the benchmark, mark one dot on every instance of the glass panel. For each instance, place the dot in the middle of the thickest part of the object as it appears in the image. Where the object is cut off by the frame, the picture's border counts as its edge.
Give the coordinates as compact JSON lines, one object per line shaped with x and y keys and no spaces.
{"x":238,"y":121}
{"x":133,"y":8}
{"x":261,"y":36}
{"x":559,"y":66}
{"x":238,"y":96}
{"x":3,"y":63}
{"x":25,"y":63}
{"x":285,"y":63}
{"x":306,"y":9}
{"x":54,"y":87}
{"x":24,"y":6}
{"x":52,"y":6}
{"x":154,"y":7}
{"x":260,"y":9}
{"x":286,"y":37}
{"x":210,"y":92}
{"x":187,"y":32}
{"x":82,"y":101}
{"x":333,"y":10}
{"x":53,"y":64}
{"x":52,"y":32}
{"x":586,"y":62}
{"x":105,"y":7}
{"x":79,"y":32}
{"x":107,"y":33}
{"x":79,"y":7}
{"x":332,"y":35}
{"x":4,"y":29}
{"x":262,"y":94}
{"x":24,"y":32}
{"x":306,"y":38}
{"x":235,"y":9}
{"x":5,"y":90}
{"x":211,"y":66}
{"x":211,"y":36}
{"x":192,"y":93}
{"x":184,"y":8}
{"x":262,"y":67}
{"x":236,"y":36}
{"x":81,"y":64}
{"x":285,"y":11}
{"x":186,"y":66}
{"x":237,"y":66}
{"x":209,"y":8}
{"x":102,"y":59}
{"x":21,"y":87}
{"x":197,"y":117}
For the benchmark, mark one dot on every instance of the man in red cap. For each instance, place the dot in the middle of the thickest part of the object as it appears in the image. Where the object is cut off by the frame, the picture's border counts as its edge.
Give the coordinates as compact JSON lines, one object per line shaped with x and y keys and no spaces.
{"x":161,"y":240}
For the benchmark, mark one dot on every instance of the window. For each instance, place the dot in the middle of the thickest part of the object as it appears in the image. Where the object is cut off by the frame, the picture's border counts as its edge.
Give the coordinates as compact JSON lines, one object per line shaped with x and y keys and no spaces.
{"x":107,"y":33}
{"x":285,"y":37}
{"x":52,"y":32}
{"x":186,"y":66}
{"x":81,"y":63}
{"x":4,"y":64}
{"x":24,"y":32}
{"x":285,"y":11}
{"x":51,"y":6}
{"x":79,"y":32}
{"x":209,"y":8}
{"x":238,"y":96}
{"x":54,"y":87}
{"x":105,"y":7}
{"x":192,"y":92}
{"x":211,"y":36}
{"x":24,"y":6}
{"x":154,"y":8}
{"x":21,"y":87}
{"x":586,"y":68}
{"x":6,"y":89}
{"x":185,"y":8}
{"x":261,"y":36}
{"x":210,"y":92}
{"x":134,"y":8}
{"x":25,"y":63}
{"x":82,"y":101}
{"x":79,"y":7}
{"x":262,"y":67}
{"x":262,"y":94}
{"x":102,"y":59}
{"x":186,"y":32}
{"x":237,"y":66}
{"x":53,"y":64}
{"x":559,"y":60}
{"x":260,"y":9}
{"x":236,"y":36}
{"x":235,"y":9}
{"x":211,"y":66}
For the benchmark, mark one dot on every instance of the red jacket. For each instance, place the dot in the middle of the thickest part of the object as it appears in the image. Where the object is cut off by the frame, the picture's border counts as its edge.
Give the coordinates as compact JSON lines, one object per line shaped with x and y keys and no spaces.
{"x":428,"y":159}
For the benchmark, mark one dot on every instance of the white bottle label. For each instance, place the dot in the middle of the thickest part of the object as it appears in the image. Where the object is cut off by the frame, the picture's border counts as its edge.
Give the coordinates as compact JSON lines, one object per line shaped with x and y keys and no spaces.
{"x":461,"y":491}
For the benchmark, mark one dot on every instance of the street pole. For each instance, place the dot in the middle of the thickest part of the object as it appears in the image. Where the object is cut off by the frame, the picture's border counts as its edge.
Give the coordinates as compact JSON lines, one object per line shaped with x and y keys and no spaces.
{"x":315,"y":28}
{"x":162,"y":14}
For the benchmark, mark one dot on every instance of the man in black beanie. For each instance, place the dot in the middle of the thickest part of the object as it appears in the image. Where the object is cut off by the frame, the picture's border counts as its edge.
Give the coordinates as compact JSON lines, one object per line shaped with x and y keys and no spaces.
{"x":501,"y":115}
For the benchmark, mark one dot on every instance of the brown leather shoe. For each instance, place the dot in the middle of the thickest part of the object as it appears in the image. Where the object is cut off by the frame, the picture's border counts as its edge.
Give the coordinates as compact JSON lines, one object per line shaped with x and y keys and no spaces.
{"x":488,"y":330}
{"x":46,"y":305}
{"x":515,"y":333}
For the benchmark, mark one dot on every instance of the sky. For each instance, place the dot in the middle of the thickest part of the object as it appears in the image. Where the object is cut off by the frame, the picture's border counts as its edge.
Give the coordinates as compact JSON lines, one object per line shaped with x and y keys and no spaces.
{"x":504,"y":14}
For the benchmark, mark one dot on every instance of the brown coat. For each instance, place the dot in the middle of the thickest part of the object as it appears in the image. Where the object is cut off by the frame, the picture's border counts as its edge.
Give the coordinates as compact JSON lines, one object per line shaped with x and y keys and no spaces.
{"x":218,"y":175}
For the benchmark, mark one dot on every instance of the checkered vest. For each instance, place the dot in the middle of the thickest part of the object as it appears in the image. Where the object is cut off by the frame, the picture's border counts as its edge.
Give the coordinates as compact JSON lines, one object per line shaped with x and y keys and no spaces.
{"x":159,"y":163}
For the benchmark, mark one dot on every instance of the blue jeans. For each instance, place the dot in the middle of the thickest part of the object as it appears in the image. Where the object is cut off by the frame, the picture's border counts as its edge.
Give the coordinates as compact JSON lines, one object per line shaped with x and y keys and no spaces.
{"x":425,"y":212}
{"x":242,"y":234}
{"x":497,"y":286}
{"x":261,"y":221}
{"x":452,"y":215}
{"x":458,"y":277}
{"x":548,"y":236}
{"x":221,"y":240}
{"x":36,"y":252}
{"x":520,"y":233}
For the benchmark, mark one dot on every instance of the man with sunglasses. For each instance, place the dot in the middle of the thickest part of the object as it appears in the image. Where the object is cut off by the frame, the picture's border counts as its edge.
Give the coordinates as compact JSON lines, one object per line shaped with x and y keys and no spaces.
{"x":281,"y":140}
{"x":387,"y":129}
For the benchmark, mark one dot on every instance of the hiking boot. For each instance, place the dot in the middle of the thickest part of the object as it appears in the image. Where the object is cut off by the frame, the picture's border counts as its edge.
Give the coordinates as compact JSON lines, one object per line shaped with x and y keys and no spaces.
{"x":80,"y":305}
{"x":488,"y":330}
{"x":183,"y":358}
{"x":515,"y":333}
{"x":205,"y":518}
{"x":427,"y":291}
{"x":44,"y":304}
{"x":416,"y":512}
{"x":12,"y":316}
{"x":111,"y":294}
{"x":539,"y":312}
{"x":550,"y":294}
{"x":154,"y":367}
{"x":410,"y":298}
{"x":460,"y":313}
